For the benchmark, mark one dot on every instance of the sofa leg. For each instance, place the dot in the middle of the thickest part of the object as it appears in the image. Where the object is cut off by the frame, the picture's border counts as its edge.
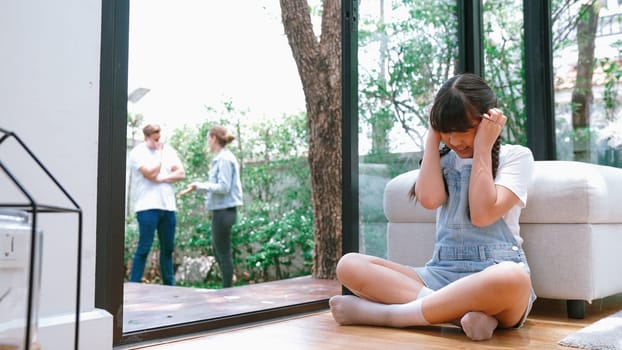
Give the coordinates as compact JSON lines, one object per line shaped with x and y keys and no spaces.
{"x":576,"y":308}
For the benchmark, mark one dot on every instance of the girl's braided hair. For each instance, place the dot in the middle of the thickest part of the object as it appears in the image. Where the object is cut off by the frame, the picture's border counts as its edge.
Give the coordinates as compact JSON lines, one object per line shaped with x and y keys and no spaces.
{"x":460,"y":99}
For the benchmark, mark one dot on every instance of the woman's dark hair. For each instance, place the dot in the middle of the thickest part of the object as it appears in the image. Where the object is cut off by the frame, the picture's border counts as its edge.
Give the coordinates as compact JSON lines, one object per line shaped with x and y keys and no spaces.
{"x":460,"y":99}
{"x":221,"y":134}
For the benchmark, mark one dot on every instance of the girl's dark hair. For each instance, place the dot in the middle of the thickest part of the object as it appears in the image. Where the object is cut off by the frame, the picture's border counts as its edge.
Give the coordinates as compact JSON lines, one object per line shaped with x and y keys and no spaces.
{"x":460,"y":99}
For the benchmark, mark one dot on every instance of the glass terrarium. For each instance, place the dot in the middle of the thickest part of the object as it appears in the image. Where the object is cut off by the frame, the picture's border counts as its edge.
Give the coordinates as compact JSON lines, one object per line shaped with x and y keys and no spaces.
{"x":20,"y":249}
{"x":21,"y":242}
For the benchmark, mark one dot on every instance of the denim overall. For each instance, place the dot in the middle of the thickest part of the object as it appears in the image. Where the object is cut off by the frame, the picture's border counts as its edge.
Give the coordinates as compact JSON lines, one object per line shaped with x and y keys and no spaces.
{"x":461,"y":248}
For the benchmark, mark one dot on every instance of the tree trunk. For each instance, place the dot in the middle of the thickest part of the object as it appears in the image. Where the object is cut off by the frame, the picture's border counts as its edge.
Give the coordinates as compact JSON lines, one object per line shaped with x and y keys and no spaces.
{"x":582,"y":93}
{"x":319,"y":67}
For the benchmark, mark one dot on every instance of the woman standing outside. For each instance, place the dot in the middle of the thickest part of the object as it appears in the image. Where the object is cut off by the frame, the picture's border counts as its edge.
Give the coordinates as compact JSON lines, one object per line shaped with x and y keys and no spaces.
{"x":223,"y":195}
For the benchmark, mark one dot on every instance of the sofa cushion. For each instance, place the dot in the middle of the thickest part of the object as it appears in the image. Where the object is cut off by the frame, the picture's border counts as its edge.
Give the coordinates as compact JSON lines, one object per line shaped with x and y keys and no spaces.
{"x":574,"y":192}
{"x":398,"y":207}
{"x":562,"y":192}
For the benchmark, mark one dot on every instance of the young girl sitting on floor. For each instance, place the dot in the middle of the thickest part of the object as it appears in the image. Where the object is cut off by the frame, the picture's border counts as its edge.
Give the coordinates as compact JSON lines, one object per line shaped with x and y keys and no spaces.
{"x":478,"y":276}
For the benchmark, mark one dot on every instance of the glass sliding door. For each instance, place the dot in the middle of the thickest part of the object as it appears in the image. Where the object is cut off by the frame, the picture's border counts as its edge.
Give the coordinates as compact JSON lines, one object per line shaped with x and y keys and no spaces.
{"x":406,"y":50}
{"x":504,"y":67}
{"x":196,"y":72}
{"x":587,"y":42}
{"x":187,"y":68}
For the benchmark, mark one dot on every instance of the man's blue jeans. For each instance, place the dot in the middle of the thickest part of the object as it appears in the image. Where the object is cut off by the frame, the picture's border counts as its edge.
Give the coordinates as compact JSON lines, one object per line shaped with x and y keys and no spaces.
{"x":150,"y":221}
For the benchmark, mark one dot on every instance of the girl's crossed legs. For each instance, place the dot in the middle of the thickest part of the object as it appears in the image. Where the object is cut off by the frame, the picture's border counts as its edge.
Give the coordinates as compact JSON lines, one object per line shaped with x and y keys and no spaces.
{"x":496,"y":296}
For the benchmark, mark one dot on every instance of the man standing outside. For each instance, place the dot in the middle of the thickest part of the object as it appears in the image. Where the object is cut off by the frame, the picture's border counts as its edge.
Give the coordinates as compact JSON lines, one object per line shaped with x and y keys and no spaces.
{"x":155,"y":167}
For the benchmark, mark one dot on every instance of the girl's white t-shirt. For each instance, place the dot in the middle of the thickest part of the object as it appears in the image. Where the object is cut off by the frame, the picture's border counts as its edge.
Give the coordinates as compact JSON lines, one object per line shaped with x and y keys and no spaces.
{"x":515,"y":172}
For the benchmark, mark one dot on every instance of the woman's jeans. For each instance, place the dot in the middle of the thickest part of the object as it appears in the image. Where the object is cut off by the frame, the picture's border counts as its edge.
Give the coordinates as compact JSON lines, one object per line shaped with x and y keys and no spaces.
{"x":149,"y":221}
{"x":222,"y":221}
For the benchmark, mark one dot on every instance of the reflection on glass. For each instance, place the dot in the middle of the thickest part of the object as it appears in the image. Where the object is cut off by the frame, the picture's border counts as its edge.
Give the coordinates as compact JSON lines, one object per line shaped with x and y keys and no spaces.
{"x":406,"y":51}
{"x":586,"y":49}
{"x":198,"y":71}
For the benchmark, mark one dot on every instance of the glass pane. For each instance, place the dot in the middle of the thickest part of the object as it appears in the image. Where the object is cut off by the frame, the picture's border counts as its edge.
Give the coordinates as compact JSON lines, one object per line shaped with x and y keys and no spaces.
{"x":407,"y":49}
{"x":193,"y":66}
{"x":503,"y":68}
{"x":586,"y":51}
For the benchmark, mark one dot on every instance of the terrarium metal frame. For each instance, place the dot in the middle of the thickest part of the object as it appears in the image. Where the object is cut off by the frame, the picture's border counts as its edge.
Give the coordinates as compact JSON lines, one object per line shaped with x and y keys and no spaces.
{"x":34,"y":209}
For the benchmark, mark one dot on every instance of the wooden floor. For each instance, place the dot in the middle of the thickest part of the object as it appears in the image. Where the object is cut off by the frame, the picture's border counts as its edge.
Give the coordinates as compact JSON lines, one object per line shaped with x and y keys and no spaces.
{"x":546,"y":325}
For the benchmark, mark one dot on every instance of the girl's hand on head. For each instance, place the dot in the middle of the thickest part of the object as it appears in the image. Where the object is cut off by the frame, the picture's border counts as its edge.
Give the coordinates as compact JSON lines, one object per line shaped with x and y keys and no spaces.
{"x":434,"y":134}
{"x":434,"y":138}
{"x":494,"y":117}
{"x":489,"y":128}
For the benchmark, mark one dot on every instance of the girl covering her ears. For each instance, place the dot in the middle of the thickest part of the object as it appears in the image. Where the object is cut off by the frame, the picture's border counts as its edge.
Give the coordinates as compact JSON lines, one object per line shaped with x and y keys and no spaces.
{"x":478,"y":276}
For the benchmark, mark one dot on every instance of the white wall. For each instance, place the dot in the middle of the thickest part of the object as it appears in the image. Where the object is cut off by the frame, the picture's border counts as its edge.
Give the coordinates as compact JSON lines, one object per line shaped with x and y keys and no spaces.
{"x":49,"y":96}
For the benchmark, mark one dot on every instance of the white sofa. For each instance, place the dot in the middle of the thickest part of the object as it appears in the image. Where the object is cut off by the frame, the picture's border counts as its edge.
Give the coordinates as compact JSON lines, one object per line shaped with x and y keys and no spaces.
{"x":572,"y":230}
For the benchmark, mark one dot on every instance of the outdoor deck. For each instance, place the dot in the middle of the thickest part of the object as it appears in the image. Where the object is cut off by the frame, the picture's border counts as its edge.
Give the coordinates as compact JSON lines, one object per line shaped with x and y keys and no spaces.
{"x":147,"y":306}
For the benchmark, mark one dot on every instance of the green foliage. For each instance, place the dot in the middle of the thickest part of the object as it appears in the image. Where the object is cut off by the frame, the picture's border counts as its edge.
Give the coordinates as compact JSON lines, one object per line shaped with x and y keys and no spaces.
{"x":504,"y":69}
{"x":418,"y":51}
{"x":613,"y":74}
{"x":270,"y":246}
